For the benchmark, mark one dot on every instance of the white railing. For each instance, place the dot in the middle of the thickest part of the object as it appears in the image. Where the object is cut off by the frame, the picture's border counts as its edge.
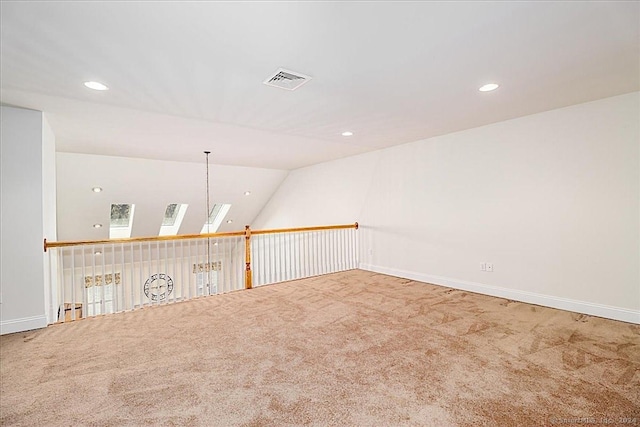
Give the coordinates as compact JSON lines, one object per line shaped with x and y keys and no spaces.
{"x":111,"y":276}
{"x":105,"y":278}
{"x":282,"y":256}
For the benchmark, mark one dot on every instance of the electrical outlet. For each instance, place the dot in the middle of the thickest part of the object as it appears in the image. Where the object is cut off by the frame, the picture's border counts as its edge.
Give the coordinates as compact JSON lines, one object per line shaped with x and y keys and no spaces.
{"x":483,"y":266}
{"x":489,"y":266}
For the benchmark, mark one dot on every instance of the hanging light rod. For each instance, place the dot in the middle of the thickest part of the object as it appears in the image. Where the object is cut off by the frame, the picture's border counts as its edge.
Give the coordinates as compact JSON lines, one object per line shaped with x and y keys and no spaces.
{"x":207,"y":195}
{"x":208,"y":229}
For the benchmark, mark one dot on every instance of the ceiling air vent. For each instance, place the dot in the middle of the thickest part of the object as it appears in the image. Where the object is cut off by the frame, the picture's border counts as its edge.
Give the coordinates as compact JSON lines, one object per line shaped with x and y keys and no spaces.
{"x":285,"y":79}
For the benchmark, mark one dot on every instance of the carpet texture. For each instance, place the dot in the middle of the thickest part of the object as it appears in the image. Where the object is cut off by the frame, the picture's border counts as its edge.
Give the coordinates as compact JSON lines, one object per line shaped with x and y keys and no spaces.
{"x":347,"y":349}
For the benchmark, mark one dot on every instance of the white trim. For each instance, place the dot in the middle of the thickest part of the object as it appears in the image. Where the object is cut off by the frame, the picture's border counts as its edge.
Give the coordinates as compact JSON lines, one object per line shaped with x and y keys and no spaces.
{"x":22,"y":324}
{"x":172,"y":230}
{"x":600,"y":310}
{"x":212,"y":227}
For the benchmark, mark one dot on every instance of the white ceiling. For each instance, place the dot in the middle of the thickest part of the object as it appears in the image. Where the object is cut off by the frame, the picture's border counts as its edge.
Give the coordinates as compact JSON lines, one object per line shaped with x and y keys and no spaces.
{"x":151,"y":185}
{"x":187,"y":76}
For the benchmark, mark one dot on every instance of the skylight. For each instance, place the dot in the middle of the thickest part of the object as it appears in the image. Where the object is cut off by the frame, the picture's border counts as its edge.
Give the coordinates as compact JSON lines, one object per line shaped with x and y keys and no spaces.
{"x":216,"y":216}
{"x":173,"y":216}
{"x":170,"y":214}
{"x":121,"y":221}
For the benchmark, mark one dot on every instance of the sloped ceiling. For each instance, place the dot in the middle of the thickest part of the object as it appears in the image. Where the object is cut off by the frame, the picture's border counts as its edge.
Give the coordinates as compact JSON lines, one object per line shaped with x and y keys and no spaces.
{"x":185,"y":77}
{"x":151,"y":185}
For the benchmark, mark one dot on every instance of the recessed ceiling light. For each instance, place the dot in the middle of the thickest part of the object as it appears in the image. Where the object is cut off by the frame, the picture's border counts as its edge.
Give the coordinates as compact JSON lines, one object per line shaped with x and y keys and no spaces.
{"x":347,"y":133}
{"x":97,"y":253}
{"x":96,"y":189}
{"x":488,"y":87}
{"x":95,"y":86}
{"x":229,"y":221}
{"x":97,"y":225}
{"x":247,"y":193}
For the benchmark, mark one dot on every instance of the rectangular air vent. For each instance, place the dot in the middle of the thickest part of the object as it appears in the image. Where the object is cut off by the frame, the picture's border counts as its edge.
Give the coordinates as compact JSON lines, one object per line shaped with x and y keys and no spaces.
{"x":285,"y":79}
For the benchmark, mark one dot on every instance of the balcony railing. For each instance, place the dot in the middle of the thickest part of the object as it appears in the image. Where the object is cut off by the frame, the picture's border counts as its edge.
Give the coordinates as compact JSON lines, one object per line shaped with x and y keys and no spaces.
{"x":90,"y":278}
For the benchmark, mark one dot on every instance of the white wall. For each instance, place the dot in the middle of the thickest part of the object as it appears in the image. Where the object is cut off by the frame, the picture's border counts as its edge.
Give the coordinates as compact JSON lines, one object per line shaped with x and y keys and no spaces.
{"x":49,"y":222}
{"x":26,"y":144}
{"x":552,"y":200}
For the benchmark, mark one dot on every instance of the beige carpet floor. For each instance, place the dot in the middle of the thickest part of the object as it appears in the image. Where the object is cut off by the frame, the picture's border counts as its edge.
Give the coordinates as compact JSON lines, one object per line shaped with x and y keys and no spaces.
{"x":347,"y":349}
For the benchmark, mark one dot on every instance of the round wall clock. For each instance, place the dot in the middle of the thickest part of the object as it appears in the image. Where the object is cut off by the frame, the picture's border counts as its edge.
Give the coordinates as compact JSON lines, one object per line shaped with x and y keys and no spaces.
{"x":158,"y":286}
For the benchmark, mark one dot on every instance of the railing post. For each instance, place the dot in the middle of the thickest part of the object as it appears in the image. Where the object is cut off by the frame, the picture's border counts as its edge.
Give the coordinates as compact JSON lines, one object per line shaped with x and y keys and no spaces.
{"x":247,"y":257}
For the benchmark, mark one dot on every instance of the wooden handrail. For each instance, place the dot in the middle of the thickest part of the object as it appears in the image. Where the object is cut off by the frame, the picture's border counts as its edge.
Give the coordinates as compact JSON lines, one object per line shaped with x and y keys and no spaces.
{"x":248,"y":280}
{"x":246,"y":232}
{"x":302,"y":229}
{"x":140,"y":239}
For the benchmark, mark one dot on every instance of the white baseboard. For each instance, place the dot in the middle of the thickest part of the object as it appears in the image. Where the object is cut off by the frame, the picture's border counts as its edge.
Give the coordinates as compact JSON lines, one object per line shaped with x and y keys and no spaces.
{"x":22,"y":324}
{"x":600,"y":310}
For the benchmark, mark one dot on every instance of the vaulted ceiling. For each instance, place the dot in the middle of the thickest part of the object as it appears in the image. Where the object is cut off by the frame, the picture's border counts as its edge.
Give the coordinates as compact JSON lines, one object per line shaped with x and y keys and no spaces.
{"x":151,"y":185}
{"x":187,"y":76}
